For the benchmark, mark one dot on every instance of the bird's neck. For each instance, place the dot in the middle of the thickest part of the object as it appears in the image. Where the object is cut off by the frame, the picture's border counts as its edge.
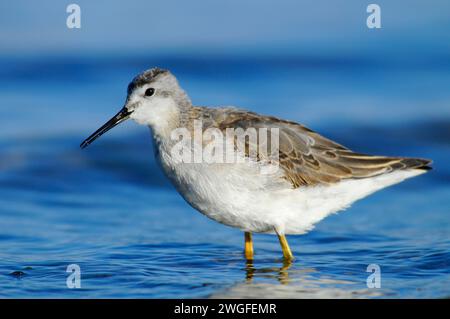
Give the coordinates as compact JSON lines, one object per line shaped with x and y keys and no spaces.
{"x":164,"y":125}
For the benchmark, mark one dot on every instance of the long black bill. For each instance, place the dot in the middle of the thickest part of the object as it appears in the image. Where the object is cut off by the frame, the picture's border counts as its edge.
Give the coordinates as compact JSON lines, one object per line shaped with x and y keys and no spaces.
{"x":123,"y":115}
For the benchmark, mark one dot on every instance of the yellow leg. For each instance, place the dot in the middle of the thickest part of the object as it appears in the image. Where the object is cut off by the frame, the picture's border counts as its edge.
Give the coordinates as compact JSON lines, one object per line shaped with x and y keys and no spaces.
{"x":248,"y":246}
{"x":285,"y":247}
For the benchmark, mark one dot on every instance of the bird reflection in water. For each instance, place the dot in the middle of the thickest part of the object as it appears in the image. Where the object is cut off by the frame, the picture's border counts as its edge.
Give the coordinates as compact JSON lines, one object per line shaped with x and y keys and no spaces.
{"x":280,"y":273}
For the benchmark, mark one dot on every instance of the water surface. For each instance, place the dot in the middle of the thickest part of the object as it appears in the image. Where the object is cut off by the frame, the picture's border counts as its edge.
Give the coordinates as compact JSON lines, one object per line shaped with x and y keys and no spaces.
{"x":111,"y":211}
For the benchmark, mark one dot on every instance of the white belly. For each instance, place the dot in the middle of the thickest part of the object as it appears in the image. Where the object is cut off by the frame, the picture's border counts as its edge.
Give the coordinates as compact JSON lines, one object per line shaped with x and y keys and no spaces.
{"x":238,"y":195}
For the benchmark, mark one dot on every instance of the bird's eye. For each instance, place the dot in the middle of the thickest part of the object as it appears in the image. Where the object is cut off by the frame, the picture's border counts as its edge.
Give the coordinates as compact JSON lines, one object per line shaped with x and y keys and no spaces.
{"x":149,"y":92}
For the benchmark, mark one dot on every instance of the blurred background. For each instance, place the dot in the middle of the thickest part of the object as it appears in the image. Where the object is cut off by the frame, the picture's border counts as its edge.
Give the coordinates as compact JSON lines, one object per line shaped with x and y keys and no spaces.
{"x":110,"y":210}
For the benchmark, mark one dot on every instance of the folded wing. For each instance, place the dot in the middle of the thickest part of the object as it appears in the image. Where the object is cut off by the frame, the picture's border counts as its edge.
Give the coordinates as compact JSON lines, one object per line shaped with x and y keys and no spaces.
{"x":308,"y":158}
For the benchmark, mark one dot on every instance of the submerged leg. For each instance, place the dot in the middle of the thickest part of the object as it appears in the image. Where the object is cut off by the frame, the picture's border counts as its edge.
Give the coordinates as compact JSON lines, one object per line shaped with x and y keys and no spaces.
{"x":285,"y":247}
{"x":249,"y":270}
{"x":283,"y":276}
{"x":248,"y":250}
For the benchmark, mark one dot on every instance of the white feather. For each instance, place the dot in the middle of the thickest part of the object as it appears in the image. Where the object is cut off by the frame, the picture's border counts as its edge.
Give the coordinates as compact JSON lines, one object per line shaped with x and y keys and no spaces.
{"x":238,"y":195}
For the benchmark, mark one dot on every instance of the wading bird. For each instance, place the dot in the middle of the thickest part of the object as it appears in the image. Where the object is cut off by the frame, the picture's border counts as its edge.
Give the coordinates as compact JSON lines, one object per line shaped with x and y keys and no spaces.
{"x":314,"y":176}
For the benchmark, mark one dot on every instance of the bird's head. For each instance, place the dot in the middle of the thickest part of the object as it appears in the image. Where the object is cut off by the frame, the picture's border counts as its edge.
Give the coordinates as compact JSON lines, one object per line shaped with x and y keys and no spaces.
{"x":154,"y":98}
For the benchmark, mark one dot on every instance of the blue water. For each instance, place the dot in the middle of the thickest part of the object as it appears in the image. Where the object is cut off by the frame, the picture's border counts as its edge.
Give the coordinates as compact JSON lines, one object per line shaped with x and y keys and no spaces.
{"x":110,"y":210}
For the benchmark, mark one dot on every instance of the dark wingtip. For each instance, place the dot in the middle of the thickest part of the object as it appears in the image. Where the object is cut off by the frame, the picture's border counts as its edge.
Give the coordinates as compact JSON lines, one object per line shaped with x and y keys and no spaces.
{"x":419,"y":163}
{"x":427,"y":166}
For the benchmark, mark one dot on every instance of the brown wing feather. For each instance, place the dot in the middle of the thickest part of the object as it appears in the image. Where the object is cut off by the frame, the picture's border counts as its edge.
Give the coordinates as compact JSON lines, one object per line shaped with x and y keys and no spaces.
{"x":308,"y":158}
